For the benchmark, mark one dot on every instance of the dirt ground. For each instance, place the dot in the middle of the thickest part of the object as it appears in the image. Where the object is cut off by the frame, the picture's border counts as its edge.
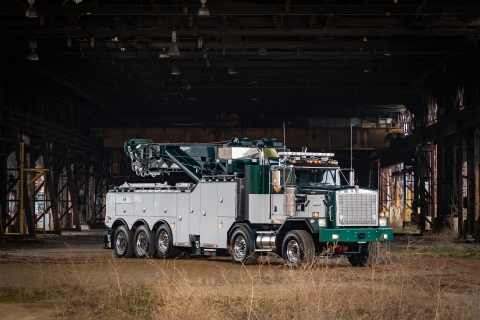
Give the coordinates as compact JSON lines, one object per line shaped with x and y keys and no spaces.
{"x":79,"y":257}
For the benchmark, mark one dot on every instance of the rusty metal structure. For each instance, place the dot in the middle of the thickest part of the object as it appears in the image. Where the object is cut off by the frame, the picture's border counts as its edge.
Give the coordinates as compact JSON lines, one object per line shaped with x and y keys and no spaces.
{"x":395,"y":81}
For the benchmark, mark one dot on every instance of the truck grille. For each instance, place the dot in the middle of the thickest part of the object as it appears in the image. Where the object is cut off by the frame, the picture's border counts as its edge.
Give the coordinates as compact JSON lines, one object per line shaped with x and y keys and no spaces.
{"x":356,"y":209}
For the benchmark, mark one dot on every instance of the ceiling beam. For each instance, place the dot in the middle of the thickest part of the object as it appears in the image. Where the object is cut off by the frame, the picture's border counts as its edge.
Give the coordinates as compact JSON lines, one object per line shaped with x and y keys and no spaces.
{"x":107,"y":64}
{"x":318,"y":32}
{"x":245,"y":10}
{"x":365,"y":45}
{"x":244,"y":22}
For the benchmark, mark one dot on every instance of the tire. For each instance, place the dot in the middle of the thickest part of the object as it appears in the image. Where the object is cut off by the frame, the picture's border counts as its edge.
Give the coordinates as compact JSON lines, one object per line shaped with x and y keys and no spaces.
{"x":242,"y":249}
{"x":298,"y":249}
{"x":367,"y":256}
{"x":143,"y":244}
{"x":123,"y":242}
{"x":164,"y":243}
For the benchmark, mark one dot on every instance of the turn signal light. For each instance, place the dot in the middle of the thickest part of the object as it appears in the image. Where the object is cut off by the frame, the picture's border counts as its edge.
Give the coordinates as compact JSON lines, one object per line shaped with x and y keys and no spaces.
{"x":382,"y":222}
{"x":277,"y":189}
{"x":315,"y":214}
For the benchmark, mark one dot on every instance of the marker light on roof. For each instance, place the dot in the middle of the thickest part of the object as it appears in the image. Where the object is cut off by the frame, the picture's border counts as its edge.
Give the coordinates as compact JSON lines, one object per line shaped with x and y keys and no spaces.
{"x":306,"y":154}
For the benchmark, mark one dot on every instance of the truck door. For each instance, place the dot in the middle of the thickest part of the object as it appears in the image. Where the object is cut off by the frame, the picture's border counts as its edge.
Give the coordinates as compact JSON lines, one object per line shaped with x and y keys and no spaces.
{"x":227,"y":209}
{"x":208,"y":216}
{"x":183,"y":217}
{"x":194,"y":212}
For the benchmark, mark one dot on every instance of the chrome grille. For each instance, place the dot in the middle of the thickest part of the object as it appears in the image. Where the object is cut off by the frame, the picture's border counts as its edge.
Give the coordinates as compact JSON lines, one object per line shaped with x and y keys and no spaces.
{"x":357,"y":209}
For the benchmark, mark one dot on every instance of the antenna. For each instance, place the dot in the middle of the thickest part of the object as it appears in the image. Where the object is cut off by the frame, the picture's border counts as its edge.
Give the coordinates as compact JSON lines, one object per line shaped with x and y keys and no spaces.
{"x":352,"y":174}
{"x":351,"y":148}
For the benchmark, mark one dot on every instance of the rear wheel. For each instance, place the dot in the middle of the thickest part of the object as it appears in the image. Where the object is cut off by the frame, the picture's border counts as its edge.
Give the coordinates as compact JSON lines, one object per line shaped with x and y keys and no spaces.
{"x":123,"y":242}
{"x":164,"y":243}
{"x":242,"y":249}
{"x":143,"y":244}
{"x":298,"y":249}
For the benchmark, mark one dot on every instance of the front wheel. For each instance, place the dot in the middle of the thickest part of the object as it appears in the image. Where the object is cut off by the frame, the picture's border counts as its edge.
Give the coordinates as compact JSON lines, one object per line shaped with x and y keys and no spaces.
{"x":123,"y":242}
{"x":164,"y":243}
{"x":143,"y":244}
{"x":242,"y":249}
{"x":298,"y":249}
{"x":367,"y":256}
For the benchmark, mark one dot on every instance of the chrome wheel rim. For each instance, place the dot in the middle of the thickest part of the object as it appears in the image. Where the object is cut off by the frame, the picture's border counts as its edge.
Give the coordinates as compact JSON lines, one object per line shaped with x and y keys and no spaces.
{"x":163,"y":241}
{"x":121,"y":243}
{"x":240,"y":247}
{"x":142,"y":245}
{"x":293,"y":252}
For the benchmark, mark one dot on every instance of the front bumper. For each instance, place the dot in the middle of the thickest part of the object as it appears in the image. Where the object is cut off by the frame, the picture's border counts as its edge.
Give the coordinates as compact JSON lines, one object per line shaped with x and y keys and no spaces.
{"x":356,"y":235}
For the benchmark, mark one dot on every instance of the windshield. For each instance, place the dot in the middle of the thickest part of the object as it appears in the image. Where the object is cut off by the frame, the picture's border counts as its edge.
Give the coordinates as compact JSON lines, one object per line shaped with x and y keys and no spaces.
{"x":315,"y":177}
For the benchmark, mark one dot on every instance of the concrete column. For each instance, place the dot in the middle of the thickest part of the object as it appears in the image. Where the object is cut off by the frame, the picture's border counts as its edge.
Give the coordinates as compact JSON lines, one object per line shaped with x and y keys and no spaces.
{"x":470,"y":183}
{"x":476,"y":181}
{"x":459,"y":181}
{"x":442,"y":183}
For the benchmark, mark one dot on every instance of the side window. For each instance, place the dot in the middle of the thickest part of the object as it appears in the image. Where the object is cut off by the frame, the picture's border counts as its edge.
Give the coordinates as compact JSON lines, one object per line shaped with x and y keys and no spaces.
{"x":286,"y":176}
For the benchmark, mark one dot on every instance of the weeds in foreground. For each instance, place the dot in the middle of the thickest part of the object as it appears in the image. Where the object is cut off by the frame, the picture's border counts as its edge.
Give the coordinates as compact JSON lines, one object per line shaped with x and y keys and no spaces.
{"x":401,"y":286}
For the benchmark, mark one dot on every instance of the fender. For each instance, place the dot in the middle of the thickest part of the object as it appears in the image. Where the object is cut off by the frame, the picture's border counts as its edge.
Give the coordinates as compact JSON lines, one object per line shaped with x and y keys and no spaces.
{"x":236,"y":226}
{"x":140,"y":222}
{"x":118,"y":222}
{"x":159,"y":222}
{"x":291,"y":224}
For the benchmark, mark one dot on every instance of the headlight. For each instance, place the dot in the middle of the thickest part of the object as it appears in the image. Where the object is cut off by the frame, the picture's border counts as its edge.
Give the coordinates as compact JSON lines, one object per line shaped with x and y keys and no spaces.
{"x":322,"y":222}
{"x":335,"y":236}
{"x":382,"y":222}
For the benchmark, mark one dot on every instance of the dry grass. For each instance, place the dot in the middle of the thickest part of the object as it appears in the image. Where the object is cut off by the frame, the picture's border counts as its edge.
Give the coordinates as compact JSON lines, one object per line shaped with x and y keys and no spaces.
{"x":399,"y":286}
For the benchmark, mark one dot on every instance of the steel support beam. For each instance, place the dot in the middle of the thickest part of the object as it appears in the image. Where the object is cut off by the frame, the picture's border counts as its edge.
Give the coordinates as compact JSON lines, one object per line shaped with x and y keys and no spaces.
{"x":25,"y":195}
{"x":71,"y":187}
{"x":3,"y":193}
{"x":445,"y":182}
{"x":50,"y":188}
{"x":476,"y":173}
{"x":35,"y":126}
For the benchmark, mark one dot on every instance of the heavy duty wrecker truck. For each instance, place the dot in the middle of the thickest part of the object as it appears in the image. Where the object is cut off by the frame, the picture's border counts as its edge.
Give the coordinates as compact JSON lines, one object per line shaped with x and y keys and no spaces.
{"x":245,"y":200}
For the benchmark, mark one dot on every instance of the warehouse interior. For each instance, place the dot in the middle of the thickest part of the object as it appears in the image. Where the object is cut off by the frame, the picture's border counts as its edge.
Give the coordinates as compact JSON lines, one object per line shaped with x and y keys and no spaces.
{"x":392,"y":87}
